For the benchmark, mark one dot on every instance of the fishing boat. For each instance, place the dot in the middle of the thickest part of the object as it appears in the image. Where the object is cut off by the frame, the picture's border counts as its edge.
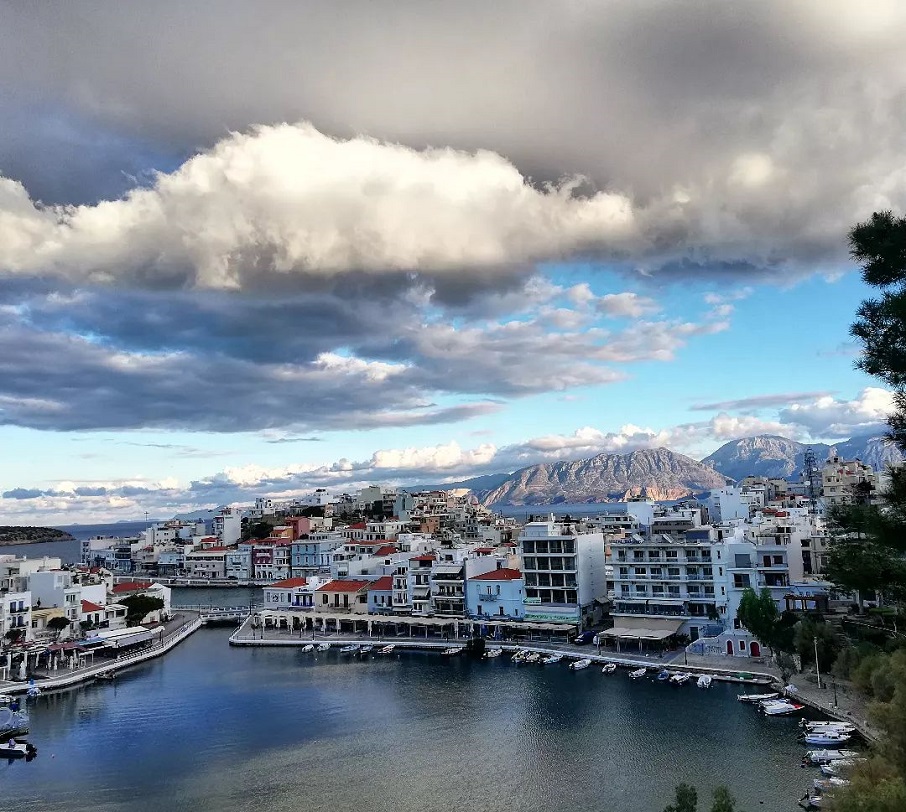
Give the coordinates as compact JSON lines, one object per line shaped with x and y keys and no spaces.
{"x":578,"y":665}
{"x":704,"y":681}
{"x":323,"y":646}
{"x":829,"y":738}
{"x":352,"y":649}
{"x":821,"y":727}
{"x":663,"y":675}
{"x":781,"y":707}
{"x":105,"y":676}
{"x":532,"y":657}
{"x":609,"y":668}
{"x":755,"y":698}
{"x":680,"y":679}
{"x":638,"y":673}
{"x":452,"y":651}
{"x":18,"y":749}
{"x":826,"y":756}
{"x":553,"y":659}
{"x":490,"y":654}
{"x":308,"y":649}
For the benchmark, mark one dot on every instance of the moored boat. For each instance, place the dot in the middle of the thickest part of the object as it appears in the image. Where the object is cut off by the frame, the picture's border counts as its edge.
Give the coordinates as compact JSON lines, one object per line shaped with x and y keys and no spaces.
{"x":552,"y":660}
{"x":452,"y":651}
{"x":822,"y":727}
{"x":308,"y":649}
{"x":638,"y":673}
{"x":704,"y":681}
{"x":366,"y":649}
{"x":352,"y":649}
{"x":324,"y":647}
{"x":578,"y":665}
{"x":780,"y":707}
{"x":532,"y":657}
{"x":825,"y":756}
{"x":663,"y":675}
{"x":491,"y":653}
{"x":826,"y":739}
{"x":18,"y":749}
{"x":609,"y":668}
{"x":388,"y":649}
{"x":755,"y":698}
{"x":838,"y":765}
{"x":680,"y":679}
{"x":105,"y":676}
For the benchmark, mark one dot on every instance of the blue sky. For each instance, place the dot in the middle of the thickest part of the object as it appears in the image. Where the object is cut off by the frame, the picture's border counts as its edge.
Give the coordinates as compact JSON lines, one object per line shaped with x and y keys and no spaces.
{"x":380,"y":246}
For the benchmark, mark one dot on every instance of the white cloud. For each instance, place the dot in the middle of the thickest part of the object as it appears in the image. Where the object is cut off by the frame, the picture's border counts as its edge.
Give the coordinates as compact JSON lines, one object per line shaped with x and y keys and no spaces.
{"x":626,"y":304}
{"x":830,"y":417}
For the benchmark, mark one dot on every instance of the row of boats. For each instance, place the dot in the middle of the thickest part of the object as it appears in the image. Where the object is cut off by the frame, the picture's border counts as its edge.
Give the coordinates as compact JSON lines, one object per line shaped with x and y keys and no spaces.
{"x":832,"y":759}
{"x":358,"y":650}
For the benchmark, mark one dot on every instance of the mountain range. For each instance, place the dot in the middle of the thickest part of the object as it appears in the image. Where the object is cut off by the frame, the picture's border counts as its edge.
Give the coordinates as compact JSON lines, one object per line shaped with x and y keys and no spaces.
{"x":664,"y":474}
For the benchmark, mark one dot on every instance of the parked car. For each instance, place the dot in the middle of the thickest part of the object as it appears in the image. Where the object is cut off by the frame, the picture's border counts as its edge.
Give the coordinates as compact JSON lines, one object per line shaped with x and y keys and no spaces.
{"x":584,"y":638}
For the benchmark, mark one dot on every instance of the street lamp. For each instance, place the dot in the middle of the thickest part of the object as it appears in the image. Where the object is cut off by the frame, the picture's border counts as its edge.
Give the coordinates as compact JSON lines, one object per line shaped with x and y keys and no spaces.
{"x":817,"y":671}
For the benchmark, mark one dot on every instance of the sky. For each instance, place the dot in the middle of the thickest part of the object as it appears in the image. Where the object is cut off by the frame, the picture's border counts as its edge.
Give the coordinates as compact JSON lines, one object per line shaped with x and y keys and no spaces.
{"x":256,"y":248}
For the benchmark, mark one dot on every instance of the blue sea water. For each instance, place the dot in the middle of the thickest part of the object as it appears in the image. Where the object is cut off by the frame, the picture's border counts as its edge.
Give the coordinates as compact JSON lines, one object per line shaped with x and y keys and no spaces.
{"x":209,"y":727}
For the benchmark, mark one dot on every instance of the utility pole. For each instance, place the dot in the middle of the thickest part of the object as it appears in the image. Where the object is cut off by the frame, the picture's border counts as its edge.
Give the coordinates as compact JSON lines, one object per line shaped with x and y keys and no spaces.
{"x":817,"y":672}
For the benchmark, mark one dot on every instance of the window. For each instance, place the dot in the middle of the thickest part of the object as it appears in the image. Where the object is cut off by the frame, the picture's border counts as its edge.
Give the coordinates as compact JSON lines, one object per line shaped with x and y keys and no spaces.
{"x":498,"y":589}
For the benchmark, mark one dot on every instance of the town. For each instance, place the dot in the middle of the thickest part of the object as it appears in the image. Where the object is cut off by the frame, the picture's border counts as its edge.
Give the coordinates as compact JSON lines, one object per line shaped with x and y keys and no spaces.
{"x":645,"y":575}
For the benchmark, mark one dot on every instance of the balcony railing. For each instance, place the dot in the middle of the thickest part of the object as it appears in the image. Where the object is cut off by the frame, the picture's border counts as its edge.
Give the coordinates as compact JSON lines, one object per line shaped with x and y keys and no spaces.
{"x":492,"y":598}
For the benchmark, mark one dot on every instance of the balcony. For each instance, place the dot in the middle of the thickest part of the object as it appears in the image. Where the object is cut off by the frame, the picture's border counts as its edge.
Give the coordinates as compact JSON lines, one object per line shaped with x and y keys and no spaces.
{"x":17,"y":611}
{"x":491,"y":598}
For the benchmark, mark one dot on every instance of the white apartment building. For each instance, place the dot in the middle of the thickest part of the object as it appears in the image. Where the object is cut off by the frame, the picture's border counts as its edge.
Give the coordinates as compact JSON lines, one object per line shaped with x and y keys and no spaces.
{"x":227,"y":527}
{"x":564,"y":569}
{"x":845,"y":482}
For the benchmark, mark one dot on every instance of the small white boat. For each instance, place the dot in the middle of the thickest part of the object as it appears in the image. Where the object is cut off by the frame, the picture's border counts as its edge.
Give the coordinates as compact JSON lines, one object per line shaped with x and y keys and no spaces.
{"x":578,"y":665}
{"x":553,"y":659}
{"x":838,"y":765}
{"x":5,"y":699}
{"x":781,"y":708}
{"x":366,"y":649}
{"x":755,"y":698}
{"x":491,"y":653}
{"x":33,"y":692}
{"x":518,"y":656}
{"x":17,"y":749}
{"x":827,"y":756}
{"x":388,"y":649}
{"x":532,"y":657}
{"x":452,"y":651}
{"x":826,"y":739}
{"x":638,"y":673}
{"x":308,"y":649}
{"x":704,"y":681}
{"x":680,"y":679}
{"x":609,"y":668}
{"x":323,"y":646}
{"x":353,"y":649}
{"x":827,"y":784}
{"x":821,"y":727}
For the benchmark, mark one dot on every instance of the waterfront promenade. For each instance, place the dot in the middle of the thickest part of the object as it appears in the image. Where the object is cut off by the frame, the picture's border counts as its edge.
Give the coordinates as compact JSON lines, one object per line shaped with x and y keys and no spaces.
{"x":177,"y":629}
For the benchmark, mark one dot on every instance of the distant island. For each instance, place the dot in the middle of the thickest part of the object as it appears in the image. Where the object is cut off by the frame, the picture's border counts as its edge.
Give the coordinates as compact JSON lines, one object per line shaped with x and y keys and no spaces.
{"x":12,"y":534}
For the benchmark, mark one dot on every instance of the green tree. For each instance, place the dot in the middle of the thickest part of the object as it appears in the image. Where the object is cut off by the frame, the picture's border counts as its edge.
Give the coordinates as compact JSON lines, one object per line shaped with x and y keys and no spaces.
{"x":808,"y":634}
{"x":758,"y":615}
{"x":723,"y":800}
{"x":686,"y":800}
{"x":57,"y":624}
{"x":139,"y":606}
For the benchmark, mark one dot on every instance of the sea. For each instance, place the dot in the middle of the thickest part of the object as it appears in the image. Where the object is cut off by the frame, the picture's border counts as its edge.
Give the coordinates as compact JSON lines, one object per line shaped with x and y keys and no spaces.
{"x":70,"y":551}
{"x":208,"y":727}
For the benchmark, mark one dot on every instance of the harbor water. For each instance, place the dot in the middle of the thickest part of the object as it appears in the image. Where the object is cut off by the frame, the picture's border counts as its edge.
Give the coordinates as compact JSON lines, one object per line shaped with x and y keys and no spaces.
{"x":209,"y":727}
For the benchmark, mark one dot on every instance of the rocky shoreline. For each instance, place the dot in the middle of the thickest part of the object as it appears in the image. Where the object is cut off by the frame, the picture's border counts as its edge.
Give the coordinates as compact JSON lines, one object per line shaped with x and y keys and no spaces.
{"x":11,"y":535}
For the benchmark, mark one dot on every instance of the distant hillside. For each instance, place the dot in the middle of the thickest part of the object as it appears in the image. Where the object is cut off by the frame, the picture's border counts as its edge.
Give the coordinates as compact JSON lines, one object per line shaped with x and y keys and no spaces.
{"x":772,"y":456}
{"x":11,"y":534}
{"x":650,"y":473}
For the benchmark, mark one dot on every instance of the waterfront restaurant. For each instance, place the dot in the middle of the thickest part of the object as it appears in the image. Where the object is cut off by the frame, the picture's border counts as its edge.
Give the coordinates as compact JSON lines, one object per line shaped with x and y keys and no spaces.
{"x":643,"y":630}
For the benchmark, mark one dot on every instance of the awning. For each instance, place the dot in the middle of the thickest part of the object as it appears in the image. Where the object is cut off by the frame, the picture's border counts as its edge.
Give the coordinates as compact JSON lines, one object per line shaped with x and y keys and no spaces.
{"x":638,"y":628}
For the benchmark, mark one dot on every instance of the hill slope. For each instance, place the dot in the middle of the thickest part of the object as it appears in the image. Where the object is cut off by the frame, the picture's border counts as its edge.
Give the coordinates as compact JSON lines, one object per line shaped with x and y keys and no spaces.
{"x":652,"y":473}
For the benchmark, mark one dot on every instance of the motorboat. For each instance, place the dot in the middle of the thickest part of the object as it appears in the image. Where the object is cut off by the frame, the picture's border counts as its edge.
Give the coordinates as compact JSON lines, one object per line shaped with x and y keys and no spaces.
{"x":822,"y":727}
{"x":18,"y":749}
{"x":323,"y":647}
{"x":388,"y":649}
{"x":780,"y":707}
{"x":827,"y":756}
{"x":553,"y":659}
{"x":826,"y":739}
{"x":704,"y":681}
{"x":366,"y":649}
{"x":680,"y":679}
{"x":532,"y":657}
{"x":578,"y":665}
{"x":352,"y":649}
{"x":518,"y":656}
{"x":827,"y":784}
{"x":638,"y":673}
{"x":609,"y":668}
{"x":452,"y":651}
{"x":33,"y":692}
{"x":491,"y":653}
{"x":663,"y":675}
{"x":756,"y":698}
{"x":838,"y":765}
{"x":308,"y":649}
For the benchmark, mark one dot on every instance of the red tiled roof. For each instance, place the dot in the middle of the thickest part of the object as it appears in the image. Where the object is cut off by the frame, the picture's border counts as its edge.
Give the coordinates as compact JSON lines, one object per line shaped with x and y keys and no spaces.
{"x":382,"y":584}
{"x":358,"y":526}
{"x":350,"y":585}
{"x":131,"y":586}
{"x":210,"y":550}
{"x":503,"y":574}
{"x":423,"y":558}
{"x":387,"y":549}
{"x":88,"y":606}
{"x":288,"y":583}
{"x":483,"y":550}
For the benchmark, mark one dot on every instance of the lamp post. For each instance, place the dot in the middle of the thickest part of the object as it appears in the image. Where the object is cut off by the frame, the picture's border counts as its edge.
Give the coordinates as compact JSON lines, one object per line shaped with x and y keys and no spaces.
{"x":817,"y":671}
